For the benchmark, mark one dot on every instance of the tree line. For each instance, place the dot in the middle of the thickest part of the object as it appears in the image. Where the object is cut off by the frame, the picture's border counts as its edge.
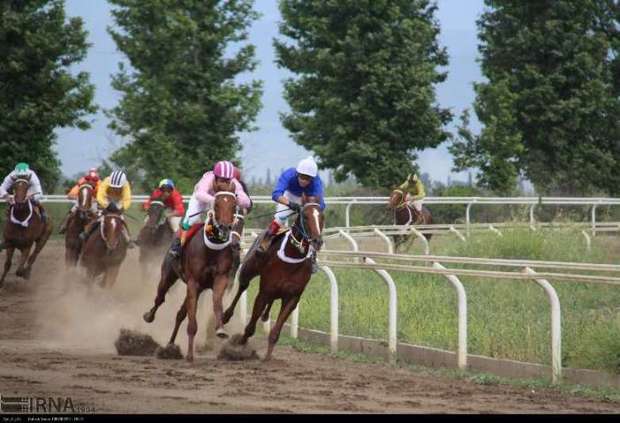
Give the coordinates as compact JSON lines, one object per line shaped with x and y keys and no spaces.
{"x":362,"y":95}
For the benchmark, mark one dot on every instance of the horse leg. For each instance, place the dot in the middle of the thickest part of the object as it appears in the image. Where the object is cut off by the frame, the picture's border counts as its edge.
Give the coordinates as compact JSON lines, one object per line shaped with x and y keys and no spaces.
{"x":7,"y":263}
{"x":191,"y":301}
{"x":265,"y":315}
{"x":259,"y":305}
{"x":25,"y":252}
{"x":167,"y":278}
{"x":181,"y":314}
{"x":39,"y":244}
{"x":219,"y":285}
{"x":109,"y":278}
{"x":246,"y":274}
{"x":287,"y":307}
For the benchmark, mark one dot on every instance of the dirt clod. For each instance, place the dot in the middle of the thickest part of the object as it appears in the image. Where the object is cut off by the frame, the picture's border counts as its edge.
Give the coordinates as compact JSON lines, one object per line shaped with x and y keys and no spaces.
{"x":130,"y":342}
{"x":233,"y":350}
{"x":169,"y":352}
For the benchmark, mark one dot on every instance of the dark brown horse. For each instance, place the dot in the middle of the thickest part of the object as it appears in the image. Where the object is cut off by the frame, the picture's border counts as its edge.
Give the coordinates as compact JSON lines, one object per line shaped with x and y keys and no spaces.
{"x":76,"y":224}
{"x":205,"y":263}
{"x":154,"y":237}
{"x":105,"y":249}
{"x":23,"y":228}
{"x":404,"y":214}
{"x":284,"y":271}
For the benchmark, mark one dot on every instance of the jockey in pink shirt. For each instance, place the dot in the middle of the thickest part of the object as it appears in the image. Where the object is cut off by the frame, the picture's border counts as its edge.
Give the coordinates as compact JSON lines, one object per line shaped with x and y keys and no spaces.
{"x":203,"y":197}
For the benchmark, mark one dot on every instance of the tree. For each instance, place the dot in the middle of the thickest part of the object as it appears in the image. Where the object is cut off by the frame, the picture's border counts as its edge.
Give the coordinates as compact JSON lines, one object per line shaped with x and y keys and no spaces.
{"x":181,"y":109}
{"x":550,"y":108}
{"x":38,"y":94}
{"x":363,"y":99}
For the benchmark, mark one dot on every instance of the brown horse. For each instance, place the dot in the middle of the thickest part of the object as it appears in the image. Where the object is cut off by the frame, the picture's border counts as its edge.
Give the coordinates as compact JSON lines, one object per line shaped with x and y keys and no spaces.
{"x":155,"y":236}
{"x":105,"y":249}
{"x":23,"y":228}
{"x":284,"y":271}
{"x":205,"y":263}
{"x":404,"y":214}
{"x":76,"y":224}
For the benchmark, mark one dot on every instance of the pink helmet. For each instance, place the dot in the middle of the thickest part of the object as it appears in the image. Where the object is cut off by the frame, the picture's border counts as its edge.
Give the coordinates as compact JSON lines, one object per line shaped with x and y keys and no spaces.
{"x":224,"y":169}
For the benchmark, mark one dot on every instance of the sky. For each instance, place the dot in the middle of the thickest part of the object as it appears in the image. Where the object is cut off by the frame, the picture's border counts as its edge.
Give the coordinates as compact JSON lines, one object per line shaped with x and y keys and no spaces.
{"x":270,"y":146}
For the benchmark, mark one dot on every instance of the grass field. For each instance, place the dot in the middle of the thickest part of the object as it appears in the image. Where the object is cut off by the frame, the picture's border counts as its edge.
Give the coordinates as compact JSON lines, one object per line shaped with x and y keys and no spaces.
{"x":506,"y":319}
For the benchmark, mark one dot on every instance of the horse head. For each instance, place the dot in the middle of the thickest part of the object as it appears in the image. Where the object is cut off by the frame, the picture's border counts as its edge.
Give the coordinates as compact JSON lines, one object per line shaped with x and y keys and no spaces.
{"x":222,"y":217}
{"x":154,"y":216}
{"x":112,"y":230}
{"x":310,"y":221}
{"x":397,"y":199}
{"x":85,"y":198}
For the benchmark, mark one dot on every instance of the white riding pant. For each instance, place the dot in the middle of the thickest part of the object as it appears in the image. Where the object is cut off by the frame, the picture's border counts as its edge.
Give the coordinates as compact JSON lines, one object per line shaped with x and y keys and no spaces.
{"x":416,"y":204}
{"x":173,"y":222}
{"x":194,"y":208}
{"x":283,"y":212}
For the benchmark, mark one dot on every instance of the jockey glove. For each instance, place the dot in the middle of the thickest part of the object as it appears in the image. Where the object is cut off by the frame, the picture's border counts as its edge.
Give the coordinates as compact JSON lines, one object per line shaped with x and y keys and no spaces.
{"x":294,"y":206}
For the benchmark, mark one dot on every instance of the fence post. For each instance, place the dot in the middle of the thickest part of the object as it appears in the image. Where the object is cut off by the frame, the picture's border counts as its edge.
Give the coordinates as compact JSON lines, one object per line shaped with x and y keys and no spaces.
{"x":349,"y":238}
{"x":333,"y":308}
{"x":532,"y":220}
{"x":467,"y":217}
{"x":588,"y":241}
{"x":593,"y":219}
{"x":556,"y":328}
{"x":295,"y":322}
{"x":392,"y":309}
{"x":347,"y":214}
{"x":427,"y":247}
{"x":387,"y":240}
{"x":462,"y":317}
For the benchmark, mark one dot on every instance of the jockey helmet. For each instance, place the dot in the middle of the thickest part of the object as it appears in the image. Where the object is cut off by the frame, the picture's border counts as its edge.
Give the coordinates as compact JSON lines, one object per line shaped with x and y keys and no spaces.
{"x":22,"y":169}
{"x":92,"y":174}
{"x":166,"y":183}
{"x":413,"y":177}
{"x":224,"y":169}
{"x":237,"y":173}
{"x":118,"y":179}
{"x":307,"y":167}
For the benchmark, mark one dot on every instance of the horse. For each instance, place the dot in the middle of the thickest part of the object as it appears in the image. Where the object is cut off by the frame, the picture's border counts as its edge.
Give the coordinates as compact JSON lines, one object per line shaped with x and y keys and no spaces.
{"x":205,"y":263}
{"x":76,"y":224}
{"x":23,"y":228}
{"x":284,"y":269}
{"x":105,"y":249}
{"x":404,"y":214}
{"x":155,"y":236}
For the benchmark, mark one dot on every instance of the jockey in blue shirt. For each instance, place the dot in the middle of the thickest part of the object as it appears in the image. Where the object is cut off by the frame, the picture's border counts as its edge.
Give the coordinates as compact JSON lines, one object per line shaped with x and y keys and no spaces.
{"x":291,"y":185}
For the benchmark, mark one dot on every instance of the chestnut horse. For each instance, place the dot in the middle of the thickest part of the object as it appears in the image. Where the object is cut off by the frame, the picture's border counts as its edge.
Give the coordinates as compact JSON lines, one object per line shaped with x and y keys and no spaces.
{"x":155,"y":236}
{"x":404,"y":214}
{"x":23,"y":228}
{"x":76,"y":224}
{"x":105,"y":249}
{"x":284,"y":269}
{"x":205,"y":263}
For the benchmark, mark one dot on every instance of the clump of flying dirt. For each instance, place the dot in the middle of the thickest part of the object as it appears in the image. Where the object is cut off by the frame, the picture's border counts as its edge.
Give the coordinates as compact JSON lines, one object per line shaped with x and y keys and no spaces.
{"x":130,"y":342}
{"x":233,"y":350}
{"x":169,"y":352}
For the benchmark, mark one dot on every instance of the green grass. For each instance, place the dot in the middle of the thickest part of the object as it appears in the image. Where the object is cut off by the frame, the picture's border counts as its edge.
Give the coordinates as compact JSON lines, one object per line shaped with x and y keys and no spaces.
{"x":506,"y":319}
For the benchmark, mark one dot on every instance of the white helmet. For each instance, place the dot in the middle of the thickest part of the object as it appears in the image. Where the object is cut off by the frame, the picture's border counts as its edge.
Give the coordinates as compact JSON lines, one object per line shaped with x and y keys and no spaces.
{"x":307,"y":167}
{"x":118,"y":179}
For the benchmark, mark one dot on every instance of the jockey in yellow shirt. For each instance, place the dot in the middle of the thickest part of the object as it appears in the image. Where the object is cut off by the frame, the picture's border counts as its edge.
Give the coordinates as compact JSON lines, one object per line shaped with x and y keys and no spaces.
{"x":413,"y":188}
{"x":114,"y":195}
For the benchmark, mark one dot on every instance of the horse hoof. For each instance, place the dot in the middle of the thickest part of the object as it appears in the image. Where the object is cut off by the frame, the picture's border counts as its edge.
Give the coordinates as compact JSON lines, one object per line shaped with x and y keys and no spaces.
{"x":190,"y":358}
{"x":20,"y":273}
{"x":27,"y":274}
{"x":221,"y":333}
{"x":148,"y":317}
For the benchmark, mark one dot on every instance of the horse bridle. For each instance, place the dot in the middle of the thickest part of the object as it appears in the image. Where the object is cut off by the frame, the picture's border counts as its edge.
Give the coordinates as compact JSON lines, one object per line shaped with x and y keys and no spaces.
{"x":402,"y":203}
{"x":27,"y":182}
{"x":211,"y":214}
{"x":160,"y":221}
{"x":302,"y":227}
{"x":101,"y":226}
{"x":85,"y":186}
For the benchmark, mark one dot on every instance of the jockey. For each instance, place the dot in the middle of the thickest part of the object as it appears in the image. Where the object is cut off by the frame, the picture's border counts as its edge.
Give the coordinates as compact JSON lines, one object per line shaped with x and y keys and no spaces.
{"x":114,"y":194}
{"x":23,"y":171}
{"x":291,"y":185}
{"x":92,"y":179}
{"x":173,"y":201}
{"x":414,"y":190}
{"x":203,"y":198}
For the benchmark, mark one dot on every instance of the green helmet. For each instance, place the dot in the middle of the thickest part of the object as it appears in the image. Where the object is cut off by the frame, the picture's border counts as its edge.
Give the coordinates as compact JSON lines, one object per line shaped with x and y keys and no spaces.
{"x":22,"y":168}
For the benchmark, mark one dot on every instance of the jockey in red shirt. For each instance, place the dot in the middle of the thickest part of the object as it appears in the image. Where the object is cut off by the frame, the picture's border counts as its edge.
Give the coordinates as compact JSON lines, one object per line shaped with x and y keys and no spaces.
{"x":91,"y":178}
{"x":172,"y":199}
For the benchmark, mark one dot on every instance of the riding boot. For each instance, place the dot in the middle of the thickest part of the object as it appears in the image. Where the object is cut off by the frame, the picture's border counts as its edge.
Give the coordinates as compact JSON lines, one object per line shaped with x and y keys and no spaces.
{"x":88,"y":230}
{"x":63,"y":225}
{"x":266,"y":241}
{"x":177,"y":245}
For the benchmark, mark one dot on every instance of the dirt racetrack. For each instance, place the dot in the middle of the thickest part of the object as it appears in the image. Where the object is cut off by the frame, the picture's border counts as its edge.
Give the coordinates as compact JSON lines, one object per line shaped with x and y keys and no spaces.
{"x":57,"y":341}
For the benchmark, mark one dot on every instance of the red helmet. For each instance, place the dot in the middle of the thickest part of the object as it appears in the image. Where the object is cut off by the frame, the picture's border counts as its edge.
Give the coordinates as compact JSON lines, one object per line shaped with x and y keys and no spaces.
{"x":92,"y":175}
{"x":237,"y":173}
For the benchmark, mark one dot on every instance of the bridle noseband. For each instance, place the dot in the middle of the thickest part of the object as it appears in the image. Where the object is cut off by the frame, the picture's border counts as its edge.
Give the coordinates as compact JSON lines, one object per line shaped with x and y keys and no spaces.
{"x":305,"y":236}
{"x":219,"y":228}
